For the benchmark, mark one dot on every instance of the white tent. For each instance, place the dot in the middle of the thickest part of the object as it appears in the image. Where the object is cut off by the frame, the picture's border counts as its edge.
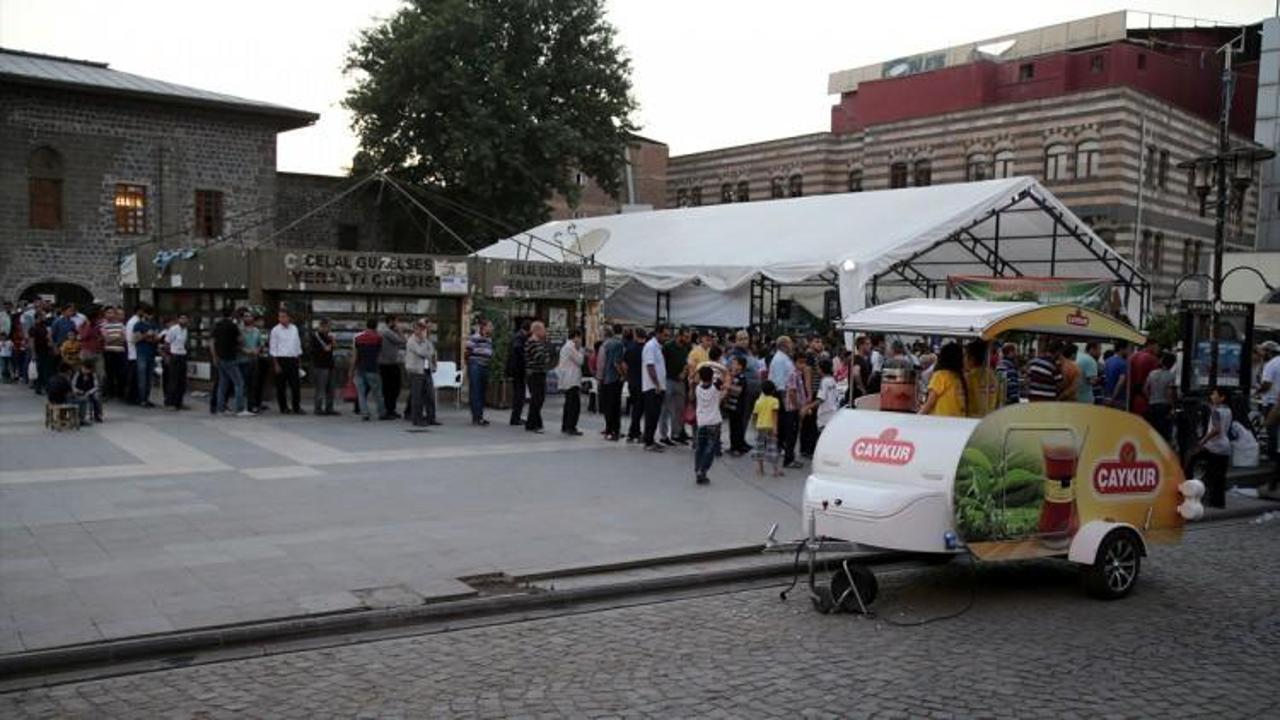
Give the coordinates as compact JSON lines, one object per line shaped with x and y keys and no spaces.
{"x":870,"y":245}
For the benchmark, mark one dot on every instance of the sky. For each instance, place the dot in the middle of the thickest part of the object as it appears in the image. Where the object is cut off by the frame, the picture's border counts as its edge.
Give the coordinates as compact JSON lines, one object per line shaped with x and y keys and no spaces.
{"x":706,"y":73}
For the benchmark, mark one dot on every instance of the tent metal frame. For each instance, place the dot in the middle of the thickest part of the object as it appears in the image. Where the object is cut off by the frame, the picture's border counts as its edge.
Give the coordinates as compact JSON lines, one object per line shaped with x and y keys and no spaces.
{"x":986,"y":251}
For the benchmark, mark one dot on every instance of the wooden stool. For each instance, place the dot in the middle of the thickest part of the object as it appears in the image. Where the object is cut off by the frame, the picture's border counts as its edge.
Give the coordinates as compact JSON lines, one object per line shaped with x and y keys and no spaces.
{"x":62,"y":417}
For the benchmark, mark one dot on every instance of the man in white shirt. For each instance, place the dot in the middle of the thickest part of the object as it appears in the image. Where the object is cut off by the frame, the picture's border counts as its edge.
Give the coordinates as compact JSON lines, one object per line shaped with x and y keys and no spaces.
{"x":285,"y":347}
{"x":131,"y":350}
{"x":173,"y":349}
{"x":653,"y":384}
{"x":1269,"y":397}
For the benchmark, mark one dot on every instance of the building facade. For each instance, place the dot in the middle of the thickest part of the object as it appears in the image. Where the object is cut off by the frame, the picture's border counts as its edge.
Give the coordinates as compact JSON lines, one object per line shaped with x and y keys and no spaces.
{"x":643,"y":185}
{"x":94,"y":162}
{"x":1101,"y":115}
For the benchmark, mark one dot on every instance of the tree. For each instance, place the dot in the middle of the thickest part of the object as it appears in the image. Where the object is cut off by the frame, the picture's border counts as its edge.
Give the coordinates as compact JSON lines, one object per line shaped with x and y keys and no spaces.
{"x":490,"y":106}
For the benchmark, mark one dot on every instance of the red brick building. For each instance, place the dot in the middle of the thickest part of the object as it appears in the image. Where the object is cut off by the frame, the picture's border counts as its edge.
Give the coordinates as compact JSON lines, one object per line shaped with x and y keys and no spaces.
{"x":1101,"y":113}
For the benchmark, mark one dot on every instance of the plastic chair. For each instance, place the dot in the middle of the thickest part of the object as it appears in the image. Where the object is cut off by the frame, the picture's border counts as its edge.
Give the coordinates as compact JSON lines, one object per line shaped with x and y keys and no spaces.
{"x":447,"y":375}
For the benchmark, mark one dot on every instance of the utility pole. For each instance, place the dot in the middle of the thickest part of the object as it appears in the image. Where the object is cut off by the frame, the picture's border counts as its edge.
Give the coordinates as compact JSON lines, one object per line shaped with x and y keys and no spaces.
{"x":1220,"y":223}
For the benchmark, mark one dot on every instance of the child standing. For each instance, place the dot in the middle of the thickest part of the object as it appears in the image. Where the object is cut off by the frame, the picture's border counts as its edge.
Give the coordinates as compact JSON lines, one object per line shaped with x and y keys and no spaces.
{"x":708,"y":394}
{"x":6,"y":359}
{"x":828,"y":395}
{"x":765,"y":414}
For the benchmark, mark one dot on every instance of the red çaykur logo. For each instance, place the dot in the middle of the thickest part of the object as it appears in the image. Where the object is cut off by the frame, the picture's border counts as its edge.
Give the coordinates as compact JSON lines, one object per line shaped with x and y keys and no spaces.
{"x":886,"y":449}
{"x":1078,"y":319}
{"x":1126,"y":475}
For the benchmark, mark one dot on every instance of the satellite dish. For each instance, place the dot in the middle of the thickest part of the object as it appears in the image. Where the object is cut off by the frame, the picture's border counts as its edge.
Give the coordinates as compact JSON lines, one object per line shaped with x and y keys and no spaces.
{"x":590,"y":242}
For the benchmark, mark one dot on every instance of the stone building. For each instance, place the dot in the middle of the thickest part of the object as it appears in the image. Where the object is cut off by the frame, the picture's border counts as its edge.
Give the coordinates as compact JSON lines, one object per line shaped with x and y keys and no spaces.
{"x":94,"y":161}
{"x":1099,"y":113}
{"x":643,"y":185}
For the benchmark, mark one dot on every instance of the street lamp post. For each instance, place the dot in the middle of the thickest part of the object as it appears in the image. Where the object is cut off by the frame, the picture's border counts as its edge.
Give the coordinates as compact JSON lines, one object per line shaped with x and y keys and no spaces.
{"x":1239,"y":161}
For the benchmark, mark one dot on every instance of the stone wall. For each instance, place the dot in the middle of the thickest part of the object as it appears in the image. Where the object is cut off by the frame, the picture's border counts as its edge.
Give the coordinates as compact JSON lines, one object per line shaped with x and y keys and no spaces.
{"x":170,"y":151}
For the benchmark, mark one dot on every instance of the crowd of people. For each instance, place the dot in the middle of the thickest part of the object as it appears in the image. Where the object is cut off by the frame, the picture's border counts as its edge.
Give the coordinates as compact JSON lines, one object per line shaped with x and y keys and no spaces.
{"x":670,"y":387}
{"x":680,"y":387}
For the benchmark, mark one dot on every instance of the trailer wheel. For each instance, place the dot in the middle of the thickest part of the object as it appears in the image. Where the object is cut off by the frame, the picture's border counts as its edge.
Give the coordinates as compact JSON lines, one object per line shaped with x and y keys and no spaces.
{"x":862,"y":578}
{"x":1115,"y":571}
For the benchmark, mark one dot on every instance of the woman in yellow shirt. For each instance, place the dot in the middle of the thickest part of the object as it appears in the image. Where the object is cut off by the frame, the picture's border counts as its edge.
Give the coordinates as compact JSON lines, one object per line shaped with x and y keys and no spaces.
{"x":947,"y":388}
{"x":982,"y":391}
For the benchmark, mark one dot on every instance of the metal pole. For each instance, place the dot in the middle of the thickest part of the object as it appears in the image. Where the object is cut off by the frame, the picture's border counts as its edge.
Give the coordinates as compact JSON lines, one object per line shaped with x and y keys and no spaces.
{"x":1220,"y":222}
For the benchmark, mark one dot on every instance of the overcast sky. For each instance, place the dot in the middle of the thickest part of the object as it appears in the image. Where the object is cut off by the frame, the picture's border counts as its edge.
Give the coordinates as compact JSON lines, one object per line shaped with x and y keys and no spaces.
{"x":707,"y":73}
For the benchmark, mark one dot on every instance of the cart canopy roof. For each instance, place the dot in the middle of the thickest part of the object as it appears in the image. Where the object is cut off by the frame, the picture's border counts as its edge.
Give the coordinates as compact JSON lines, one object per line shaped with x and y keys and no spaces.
{"x":987,"y":320}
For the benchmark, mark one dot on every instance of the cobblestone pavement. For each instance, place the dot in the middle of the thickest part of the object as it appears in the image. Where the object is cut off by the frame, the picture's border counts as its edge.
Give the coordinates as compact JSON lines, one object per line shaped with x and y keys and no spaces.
{"x":1200,"y":637}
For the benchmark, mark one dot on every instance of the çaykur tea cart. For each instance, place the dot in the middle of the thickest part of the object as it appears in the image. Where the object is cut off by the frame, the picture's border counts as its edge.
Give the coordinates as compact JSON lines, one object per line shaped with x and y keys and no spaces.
{"x":1088,"y":483}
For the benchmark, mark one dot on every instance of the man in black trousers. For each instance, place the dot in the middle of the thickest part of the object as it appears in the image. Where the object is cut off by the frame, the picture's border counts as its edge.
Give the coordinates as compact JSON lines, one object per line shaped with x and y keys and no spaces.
{"x":515,"y":371}
{"x":537,"y":361}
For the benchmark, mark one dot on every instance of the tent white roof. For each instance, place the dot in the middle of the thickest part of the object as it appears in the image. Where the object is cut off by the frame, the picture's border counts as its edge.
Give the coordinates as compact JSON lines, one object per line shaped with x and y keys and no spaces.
{"x":986,"y":319}
{"x":929,"y":316}
{"x":911,"y":237}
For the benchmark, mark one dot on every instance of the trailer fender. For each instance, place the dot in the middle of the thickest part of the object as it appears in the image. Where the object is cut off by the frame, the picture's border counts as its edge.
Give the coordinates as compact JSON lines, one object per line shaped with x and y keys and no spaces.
{"x":1084,"y":546}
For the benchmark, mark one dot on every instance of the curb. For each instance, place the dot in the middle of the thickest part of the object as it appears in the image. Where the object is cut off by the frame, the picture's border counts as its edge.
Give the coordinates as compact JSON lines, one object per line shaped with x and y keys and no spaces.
{"x":186,"y":642}
{"x":69,"y":657}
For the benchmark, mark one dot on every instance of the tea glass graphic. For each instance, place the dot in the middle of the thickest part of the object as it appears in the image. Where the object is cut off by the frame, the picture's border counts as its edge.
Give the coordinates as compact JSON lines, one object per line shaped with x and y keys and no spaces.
{"x":1061,"y":456}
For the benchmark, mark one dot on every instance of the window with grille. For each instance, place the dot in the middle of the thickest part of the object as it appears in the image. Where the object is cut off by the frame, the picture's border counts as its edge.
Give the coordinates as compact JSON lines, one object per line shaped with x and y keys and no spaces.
{"x":1004,"y":164}
{"x":1144,"y":250}
{"x":898,"y":175}
{"x":695,"y":196}
{"x":44,"y":189}
{"x":1153,"y":157}
{"x":1057,"y":162}
{"x":1088,"y":157}
{"x":682,"y":198}
{"x":131,"y":209}
{"x":923,"y":172}
{"x":1162,"y":172}
{"x":855,"y":181}
{"x":795,"y":185}
{"x":726,"y":193}
{"x":45,"y":195}
{"x":975,"y":167}
{"x":776,"y":189}
{"x":744,"y":191}
{"x":208,"y":214}
{"x":1157,"y":253}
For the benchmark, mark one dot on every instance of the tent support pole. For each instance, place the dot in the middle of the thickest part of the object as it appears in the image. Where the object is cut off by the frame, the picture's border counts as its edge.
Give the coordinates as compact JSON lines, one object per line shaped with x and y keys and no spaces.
{"x":996,"y":242}
{"x":1053,"y":252}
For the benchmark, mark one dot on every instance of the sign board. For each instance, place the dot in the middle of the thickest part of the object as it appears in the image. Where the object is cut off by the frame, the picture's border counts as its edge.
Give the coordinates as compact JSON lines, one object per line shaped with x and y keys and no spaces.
{"x":528,"y":279}
{"x":1092,"y":293}
{"x":1235,"y":343}
{"x":361,"y":272}
{"x":158,"y":268}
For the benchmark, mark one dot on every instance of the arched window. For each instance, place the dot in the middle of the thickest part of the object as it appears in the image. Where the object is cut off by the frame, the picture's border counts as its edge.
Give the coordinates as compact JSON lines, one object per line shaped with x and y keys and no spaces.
{"x":923,"y":173}
{"x":795,"y":185}
{"x":1088,"y":158}
{"x":695,"y":195}
{"x":726,"y":193}
{"x":1003,"y":165}
{"x":898,"y":175}
{"x":776,"y":188}
{"x":1057,"y":161}
{"x":744,"y":191}
{"x":855,"y":181}
{"x":44,"y":189}
{"x":975,"y":167}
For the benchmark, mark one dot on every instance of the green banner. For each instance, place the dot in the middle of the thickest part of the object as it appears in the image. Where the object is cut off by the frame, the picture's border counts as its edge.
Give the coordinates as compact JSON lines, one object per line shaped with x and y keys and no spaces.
{"x":1092,"y":293}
